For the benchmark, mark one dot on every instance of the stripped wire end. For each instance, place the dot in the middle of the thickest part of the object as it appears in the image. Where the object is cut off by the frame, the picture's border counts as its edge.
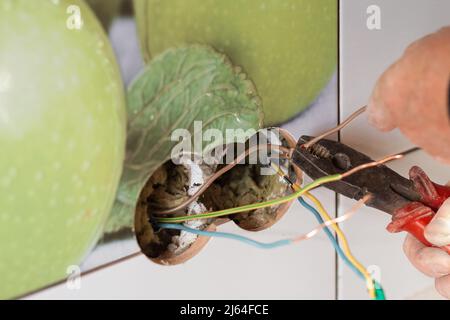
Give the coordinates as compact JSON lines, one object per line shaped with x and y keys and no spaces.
{"x":372,"y":164}
{"x":337,"y":220}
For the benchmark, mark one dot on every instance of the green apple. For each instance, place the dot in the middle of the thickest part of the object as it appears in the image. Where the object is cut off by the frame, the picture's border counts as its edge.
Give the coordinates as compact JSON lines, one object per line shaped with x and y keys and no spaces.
{"x":62,"y":138}
{"x":288,"y":47}
{"x":106,"y":10}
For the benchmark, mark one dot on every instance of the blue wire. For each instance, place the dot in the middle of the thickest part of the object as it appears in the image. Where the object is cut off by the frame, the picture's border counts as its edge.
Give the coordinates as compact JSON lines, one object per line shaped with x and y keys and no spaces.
{"x":330,"y":236}
{"x":270,"y":245}
{"x":249,"y":241}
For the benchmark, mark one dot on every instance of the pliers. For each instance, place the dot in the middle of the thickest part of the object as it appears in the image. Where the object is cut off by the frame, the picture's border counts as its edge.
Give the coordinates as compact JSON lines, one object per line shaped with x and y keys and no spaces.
{"x":412,"y":202}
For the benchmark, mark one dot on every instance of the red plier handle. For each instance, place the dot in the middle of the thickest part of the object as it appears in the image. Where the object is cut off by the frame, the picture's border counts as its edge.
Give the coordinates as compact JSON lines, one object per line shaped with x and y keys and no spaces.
{"x":414,"y":217}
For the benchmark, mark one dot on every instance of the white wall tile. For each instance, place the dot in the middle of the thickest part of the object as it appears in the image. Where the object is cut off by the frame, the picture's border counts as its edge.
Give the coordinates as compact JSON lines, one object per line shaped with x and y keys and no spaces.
{"x":365,"y":54}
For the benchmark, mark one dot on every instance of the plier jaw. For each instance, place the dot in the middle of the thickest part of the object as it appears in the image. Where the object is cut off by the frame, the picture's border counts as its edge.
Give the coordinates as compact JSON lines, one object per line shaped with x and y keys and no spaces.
{"x":390,"y":191}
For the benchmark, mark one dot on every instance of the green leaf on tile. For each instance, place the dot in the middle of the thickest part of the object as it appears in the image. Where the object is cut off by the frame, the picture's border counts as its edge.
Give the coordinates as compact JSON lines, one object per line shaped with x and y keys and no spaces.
{"x":177,"y":88}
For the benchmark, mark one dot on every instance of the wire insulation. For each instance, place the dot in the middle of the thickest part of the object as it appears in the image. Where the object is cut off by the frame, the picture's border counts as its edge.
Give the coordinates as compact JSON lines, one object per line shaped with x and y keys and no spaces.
{"x":344,"y":241}
{"x":262,"y":245}
{"x":219,"y":173}
{"x":252,"y":206}
{"x":337,"y":128}
{"x":258,"y":244}
{"x":329,"y":221}
{"x":331,"y":237}
{"x":323,"y":213}
{"x":273,"y":202}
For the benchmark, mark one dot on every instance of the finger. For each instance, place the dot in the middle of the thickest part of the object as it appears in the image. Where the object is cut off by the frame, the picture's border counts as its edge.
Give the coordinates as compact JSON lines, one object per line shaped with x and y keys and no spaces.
{"x":432,"y":262}
{"x":438,"y":230}
{"x":443,"y":286}
{"x":378,"y":112}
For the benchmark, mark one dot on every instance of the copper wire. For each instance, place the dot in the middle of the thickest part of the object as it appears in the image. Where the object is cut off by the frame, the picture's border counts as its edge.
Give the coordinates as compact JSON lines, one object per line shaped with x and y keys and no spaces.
{"x":372,"y":164}
{"x":215,"y":176}
{"x":335,"y":129}
{"x":291,"y":141}
{"x":337,"y":220}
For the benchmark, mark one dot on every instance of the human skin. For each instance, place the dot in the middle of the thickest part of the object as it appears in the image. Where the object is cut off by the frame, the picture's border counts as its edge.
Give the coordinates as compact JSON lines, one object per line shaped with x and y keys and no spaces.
{"x":432,"y":262}
{"x":413,"y":96}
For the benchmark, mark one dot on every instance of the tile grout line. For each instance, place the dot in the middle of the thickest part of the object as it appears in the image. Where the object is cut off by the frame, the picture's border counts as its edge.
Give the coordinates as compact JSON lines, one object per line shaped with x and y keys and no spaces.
{"x":336,"y":196}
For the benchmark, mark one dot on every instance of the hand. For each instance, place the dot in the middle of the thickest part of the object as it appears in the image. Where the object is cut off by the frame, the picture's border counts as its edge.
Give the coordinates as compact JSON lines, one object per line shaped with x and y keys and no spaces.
{"x":433,"y":262}
{"x":413,"y":95}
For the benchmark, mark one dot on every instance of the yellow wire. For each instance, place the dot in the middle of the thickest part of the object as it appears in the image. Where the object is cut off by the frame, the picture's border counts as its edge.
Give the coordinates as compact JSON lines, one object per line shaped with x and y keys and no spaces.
{"x":340,"y":234}
{"x":345,"y":246}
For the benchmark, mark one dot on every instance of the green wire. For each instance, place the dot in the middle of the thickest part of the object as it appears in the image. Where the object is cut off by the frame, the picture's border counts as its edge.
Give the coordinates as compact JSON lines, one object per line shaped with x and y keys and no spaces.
{"x":254,"y":206}
{"x":379,"y":292}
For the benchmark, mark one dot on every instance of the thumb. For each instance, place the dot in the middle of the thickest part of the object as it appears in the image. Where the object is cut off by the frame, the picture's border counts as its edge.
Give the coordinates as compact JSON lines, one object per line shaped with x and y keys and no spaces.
{"x":377,"y":111}
{"x":438,"y":231}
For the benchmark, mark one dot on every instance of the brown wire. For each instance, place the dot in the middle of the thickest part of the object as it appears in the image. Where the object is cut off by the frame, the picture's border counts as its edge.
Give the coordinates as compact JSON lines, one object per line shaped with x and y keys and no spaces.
{"x":219,"y":173}
{"x":291,"y":141}
{"x":372,"y":164}
{"x":335,"y":129}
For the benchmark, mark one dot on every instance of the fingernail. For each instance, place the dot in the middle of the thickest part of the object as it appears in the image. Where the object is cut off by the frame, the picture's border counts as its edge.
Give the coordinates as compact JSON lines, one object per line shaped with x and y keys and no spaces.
{"x":438,"y":232}
{"x":377,"y":115}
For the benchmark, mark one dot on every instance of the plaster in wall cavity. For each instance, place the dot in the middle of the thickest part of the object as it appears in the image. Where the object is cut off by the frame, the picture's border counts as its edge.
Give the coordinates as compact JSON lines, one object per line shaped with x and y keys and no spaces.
{"x":197,"y":177}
